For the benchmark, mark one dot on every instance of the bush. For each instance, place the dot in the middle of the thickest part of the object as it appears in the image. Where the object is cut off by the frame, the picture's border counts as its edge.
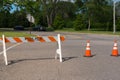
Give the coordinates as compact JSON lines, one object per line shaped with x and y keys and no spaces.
{"x":100,"y":26}
{"x":79,"y":23}
{"x":118,"y":24}
{"x":118,"y":27}
{"x":69,"y":24}
{"x":79,"y":27}
{"x":49,"y":29}
{"x":58,"y":22}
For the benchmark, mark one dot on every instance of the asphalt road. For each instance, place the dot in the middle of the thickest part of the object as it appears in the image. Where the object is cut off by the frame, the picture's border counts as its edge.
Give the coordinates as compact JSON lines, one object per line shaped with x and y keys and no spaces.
{"x":35,"y":61}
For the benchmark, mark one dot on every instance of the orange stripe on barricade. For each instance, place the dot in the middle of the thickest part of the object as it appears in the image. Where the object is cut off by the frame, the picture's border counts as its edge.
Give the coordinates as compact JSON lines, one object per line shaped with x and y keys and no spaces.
{"x":17,"y":39}
{"x":52,"y":39}
{"x":39,"y":38}
{"x":62,"y":38}
{"x":6,"y":40}
{"x":33,"y":39}
{"x":1,"y":39}
{"x":29,"y":39}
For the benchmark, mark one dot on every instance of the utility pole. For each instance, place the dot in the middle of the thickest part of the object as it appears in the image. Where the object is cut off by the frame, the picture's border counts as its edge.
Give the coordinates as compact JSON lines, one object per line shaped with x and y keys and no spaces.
{"x":114,"y":26}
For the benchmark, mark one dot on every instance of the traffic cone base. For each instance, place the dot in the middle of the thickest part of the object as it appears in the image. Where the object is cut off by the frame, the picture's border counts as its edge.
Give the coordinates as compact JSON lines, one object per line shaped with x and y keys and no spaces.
{"x":115,"y":53}
{"x":88,"y":53}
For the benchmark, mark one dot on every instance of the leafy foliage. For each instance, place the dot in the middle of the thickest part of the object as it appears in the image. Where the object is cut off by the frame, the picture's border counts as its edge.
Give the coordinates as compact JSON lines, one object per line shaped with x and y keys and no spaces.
{"x":58,"y":22}
{"x":118,"y":24}
{"x":79,"y":23}
{"x":82,"y":14}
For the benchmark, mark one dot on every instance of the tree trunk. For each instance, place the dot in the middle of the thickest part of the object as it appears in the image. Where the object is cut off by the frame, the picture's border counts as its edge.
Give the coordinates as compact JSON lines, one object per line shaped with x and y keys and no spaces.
{"x":89,"y":24}
{"x":48,"y":21}
{"x":50,"y":12}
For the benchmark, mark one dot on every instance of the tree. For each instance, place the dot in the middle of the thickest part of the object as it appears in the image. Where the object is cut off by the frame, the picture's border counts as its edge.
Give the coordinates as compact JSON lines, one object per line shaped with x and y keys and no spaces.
{"x":5,"y":7}
{"x":118,"y":24}
{"x":88,"y":10}
{"x":94,"y":9}
{"x":79,"y":23}
{"x":46,"y":10}
{"x":67,"y":11}
{"x":118,"y":15}
{"x":118,"y":9}
{"x":43,"y":7}
{"x":20,"y":19}
{"x":59,"y":22}
{"x":79,"y":4}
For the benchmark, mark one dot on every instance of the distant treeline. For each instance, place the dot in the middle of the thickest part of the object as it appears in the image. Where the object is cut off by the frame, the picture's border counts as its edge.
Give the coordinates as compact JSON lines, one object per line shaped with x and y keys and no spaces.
{"x":59,"y":14}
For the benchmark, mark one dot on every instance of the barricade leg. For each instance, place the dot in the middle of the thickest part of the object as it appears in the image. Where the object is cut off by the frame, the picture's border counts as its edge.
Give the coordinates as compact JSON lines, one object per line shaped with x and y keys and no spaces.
{"x":4,"y":50}
{"x":56,"y":54}
{"x":59,"y":51}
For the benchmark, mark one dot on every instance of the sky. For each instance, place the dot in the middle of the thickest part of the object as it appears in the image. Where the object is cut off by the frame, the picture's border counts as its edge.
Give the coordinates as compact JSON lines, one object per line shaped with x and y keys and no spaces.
{"x":116,"y":0}
{"x":13,"y":8}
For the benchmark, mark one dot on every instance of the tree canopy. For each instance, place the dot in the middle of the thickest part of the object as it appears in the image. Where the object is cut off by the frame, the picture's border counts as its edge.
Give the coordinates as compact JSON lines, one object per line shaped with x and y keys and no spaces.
{"x":59,"y":14}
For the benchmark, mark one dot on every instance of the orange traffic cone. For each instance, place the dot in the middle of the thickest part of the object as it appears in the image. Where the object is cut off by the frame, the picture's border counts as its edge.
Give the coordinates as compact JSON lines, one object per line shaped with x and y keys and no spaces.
{"x":115,"y":49}
{"x":88,"y":51}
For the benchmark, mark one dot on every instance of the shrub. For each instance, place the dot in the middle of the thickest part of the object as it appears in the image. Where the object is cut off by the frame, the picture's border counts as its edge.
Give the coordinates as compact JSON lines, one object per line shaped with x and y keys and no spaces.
{"x":118,"y":24}
{"x":58,"y":22}
{"x":79,"y":23}
{"x":49,"y":29}
{"x":69,"y":24}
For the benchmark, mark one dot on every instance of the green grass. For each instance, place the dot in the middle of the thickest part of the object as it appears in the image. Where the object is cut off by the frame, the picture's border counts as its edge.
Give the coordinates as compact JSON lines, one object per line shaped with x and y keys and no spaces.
{"x":15,"y":34}
{"x":89,"y":32}
{"x":12,"y":33}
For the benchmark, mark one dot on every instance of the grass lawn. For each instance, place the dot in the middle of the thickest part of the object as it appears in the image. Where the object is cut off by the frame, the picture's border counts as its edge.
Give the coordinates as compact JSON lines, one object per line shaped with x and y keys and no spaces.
{"x":15,"y":34}
{"x":12,"y":33}
{"x":89,"y":32}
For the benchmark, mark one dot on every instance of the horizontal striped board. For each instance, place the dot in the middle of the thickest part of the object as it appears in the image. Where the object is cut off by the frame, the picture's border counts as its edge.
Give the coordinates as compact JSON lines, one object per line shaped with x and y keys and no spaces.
{"x":32,"y":39}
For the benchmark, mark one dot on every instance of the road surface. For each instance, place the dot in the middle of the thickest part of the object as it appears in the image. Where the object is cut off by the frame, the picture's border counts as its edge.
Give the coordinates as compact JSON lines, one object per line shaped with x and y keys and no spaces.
{"x":35,"y":61}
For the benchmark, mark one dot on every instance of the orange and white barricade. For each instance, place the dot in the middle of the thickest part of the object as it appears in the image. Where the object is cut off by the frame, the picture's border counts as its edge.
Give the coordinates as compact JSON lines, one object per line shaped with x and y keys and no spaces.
{"x":19,"y":40}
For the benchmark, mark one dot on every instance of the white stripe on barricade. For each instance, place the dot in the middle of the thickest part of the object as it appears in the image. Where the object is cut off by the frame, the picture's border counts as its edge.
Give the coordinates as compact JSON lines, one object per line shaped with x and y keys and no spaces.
{"x":57,"y":39}
{"x":32,"y":39}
